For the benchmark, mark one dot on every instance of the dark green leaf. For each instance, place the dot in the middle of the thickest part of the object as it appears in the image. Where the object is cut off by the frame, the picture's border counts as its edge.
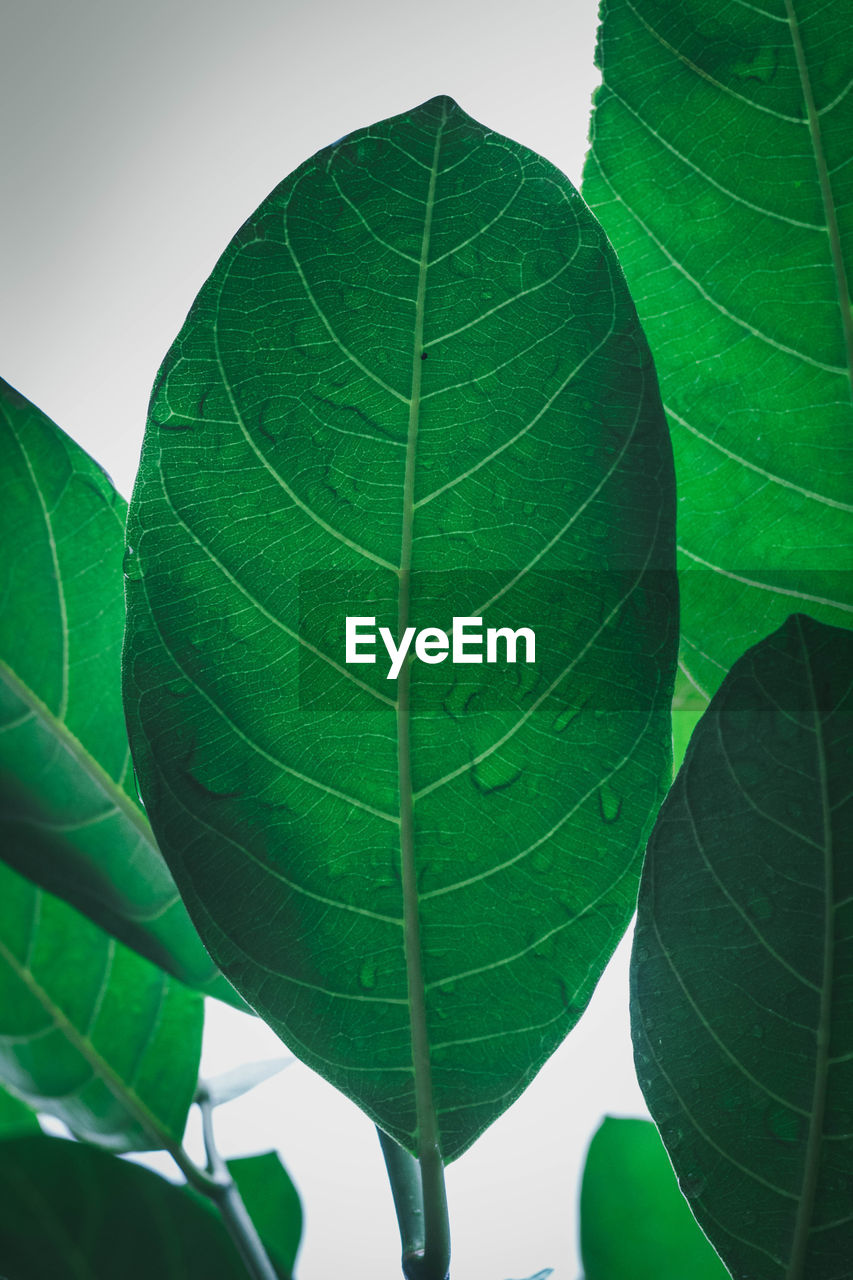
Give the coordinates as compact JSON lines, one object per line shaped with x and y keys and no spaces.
{"x":273,"y":1205}
{"x":720,"y":169}
{"x":71,"y":1212}
{"x":69,"y":815}
{"x":741,"y":973}
{"x":634,"y":1222}
{"x":233,"y":1084}
{"x":413,"y":388}
{"x":16,"y":1117}
{"x":90,"y":1031}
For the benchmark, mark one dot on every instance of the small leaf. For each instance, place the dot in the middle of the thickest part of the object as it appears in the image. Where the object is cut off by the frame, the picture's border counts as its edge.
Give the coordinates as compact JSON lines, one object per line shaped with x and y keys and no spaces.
{"x":16,"y":1117}
{"x":233,"y":1084}
{"x":418,"y":882}
{"x":720,"y":169}
{"x":634,"y":1222}
{"x":71,"y":1212}
{"x":69,"y":815}
{"x":741,"y":1012}
{"x":273,"y":1204}
{"x":90,"y":1031}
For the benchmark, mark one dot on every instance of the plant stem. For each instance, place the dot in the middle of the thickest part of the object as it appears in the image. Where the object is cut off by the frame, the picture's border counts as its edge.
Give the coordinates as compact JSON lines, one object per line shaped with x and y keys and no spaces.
{"x":407,"y":1181}
{"x":222,"y":1190}
{"x":436,"y":1222}
{"x":404,"y":1175}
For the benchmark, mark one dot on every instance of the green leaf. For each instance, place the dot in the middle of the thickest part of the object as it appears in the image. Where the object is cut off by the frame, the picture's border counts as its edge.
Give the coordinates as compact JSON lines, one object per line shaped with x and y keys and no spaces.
{"x":634,"y":1222}
{"x":16,"y":1117}
{"x":71,"y":1212}
{"x":413,"y":388}
{"x":688,"y":705}
{"x":741,"y":997}
{"x":720,"y":170}
{"x":69,"y":814}
{"x":90,"y":1031}
{"x":273,"y":1205}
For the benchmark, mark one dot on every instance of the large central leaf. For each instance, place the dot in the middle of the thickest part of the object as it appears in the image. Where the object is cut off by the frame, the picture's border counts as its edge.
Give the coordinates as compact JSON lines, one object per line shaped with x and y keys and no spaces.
{"x":413,"y":389}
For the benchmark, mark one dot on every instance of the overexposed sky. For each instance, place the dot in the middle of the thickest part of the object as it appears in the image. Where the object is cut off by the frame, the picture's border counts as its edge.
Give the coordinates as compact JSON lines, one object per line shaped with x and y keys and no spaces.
{"x":134,"y":139}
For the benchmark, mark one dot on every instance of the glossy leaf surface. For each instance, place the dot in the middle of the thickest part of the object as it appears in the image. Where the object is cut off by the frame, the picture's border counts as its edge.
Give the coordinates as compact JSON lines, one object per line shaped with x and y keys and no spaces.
{"x":720,"y":169}
{"x":71,"y":1212}
{"x":90,"y":1031}
{"x":69,"y":814}
{"x":273,"y":1204}
{"x":743,"y":961}
{"x":414,"y":387}
{"x":634,"y":1222}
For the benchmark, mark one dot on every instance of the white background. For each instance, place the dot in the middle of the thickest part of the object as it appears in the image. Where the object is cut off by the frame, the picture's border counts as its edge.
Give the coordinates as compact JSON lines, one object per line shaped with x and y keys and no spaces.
{"x":134,"y":140}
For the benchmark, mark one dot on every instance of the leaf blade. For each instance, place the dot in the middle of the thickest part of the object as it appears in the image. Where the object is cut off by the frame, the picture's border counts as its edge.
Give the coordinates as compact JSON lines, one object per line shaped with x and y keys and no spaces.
{"x":634,"y":1222}
{"x":249,"y":785}
{"x":70,"y":815}
{"x":747,"y":865}
{"x":91,"y":1032}
{"x":71,"y":1212}
{"x":273,"y":1204}
{"x":755,"y":365}
{"x":16,"y":1117}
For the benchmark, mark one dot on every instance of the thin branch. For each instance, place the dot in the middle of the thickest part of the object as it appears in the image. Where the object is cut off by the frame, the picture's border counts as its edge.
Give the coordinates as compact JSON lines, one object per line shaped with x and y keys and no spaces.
{"x":223,"y":1191}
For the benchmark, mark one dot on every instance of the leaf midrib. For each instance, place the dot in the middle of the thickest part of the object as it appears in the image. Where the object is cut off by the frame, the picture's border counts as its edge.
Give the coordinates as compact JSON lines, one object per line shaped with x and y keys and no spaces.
{"x":814,"y":1143}
{"x":426,"y":1119}
{"x":99,"y":1066}
{"x":826,"y":192}
{"x":57,"y":575}
{"x":115,"y":795}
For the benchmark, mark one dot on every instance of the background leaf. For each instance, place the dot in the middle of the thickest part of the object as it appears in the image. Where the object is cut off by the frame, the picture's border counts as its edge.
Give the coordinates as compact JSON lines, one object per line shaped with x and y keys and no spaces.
{"x":635,"y":1224}
{"x":741,"y":970}
{"x":720,"y":170}
{"x":16,"y":1117}
{"x":273,"y":1204}
{"x":90,"y":1031}
{"x":69,"y":1212}
{"x":416,"y":385}
{"x":688,"y":705}
{"x":239,"y":1080}
{"x":69,"y":815}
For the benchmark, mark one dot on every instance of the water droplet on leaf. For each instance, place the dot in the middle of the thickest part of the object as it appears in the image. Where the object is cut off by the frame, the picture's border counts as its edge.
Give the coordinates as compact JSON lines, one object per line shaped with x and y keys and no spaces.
{"x":609,"y":803}
{"x":131,"y":565}
{"x":760,"y":907}
{"x":782,"y":1123}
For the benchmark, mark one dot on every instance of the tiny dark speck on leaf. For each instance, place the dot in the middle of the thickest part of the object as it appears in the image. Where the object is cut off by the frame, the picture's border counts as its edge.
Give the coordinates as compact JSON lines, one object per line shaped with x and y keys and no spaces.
{"x":424,"y":355}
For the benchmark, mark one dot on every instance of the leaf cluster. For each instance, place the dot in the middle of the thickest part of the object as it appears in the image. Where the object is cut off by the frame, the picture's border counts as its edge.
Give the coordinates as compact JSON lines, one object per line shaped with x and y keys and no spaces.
{"x":420,"y":386}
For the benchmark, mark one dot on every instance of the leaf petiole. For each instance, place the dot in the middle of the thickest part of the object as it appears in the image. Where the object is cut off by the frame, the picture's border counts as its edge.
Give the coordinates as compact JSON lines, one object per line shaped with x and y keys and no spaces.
{"x":424,"y":1227}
